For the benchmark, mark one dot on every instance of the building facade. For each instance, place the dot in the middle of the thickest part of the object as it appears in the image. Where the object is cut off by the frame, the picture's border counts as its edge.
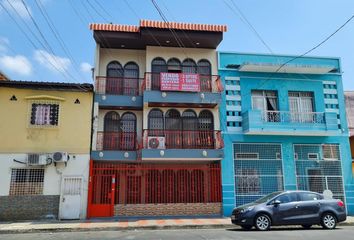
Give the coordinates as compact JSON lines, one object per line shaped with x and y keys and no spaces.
{"x":349,"y":104}
{"x":284,"y":127}
{"x":157,"y":144}
{"x":45,"y":149}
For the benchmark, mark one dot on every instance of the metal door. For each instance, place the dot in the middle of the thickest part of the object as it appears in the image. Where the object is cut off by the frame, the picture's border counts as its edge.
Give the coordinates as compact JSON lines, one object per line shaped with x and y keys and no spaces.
{"x":70,"y":197}
{"x":101,"y":198}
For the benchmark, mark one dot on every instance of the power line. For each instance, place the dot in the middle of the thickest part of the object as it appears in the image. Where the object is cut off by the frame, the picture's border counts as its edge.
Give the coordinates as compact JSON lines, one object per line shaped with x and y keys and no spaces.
{"x":57,"y":34}
{"x":25,"y":34}
{"x":244,"y":19}
{"x":45,"y":40}
{"x":97,"y":12}
{"x":103,"y":9}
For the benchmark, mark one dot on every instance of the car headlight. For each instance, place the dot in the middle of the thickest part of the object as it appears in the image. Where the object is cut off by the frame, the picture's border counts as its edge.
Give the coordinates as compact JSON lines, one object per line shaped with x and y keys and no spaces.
{"x":247,"y":209}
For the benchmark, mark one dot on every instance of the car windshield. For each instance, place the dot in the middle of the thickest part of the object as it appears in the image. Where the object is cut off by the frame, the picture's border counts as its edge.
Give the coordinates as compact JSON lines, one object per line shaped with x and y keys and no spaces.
{"x":266,"y":198}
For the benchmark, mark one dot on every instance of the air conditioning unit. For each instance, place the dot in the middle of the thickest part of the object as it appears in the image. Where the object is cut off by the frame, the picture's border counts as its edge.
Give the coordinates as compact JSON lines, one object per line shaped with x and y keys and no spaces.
{"x":156,"y":142}
{"x":59,"y":157}
{"x":37,"y":159}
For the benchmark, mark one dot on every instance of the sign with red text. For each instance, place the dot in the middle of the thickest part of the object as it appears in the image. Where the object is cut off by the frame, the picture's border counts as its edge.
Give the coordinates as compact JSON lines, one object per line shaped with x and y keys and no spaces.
{"x":183,"y":82}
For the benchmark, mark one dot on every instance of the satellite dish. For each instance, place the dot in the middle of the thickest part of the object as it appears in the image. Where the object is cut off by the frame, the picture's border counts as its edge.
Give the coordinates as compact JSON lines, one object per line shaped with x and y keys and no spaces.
{"x":327,"y":194}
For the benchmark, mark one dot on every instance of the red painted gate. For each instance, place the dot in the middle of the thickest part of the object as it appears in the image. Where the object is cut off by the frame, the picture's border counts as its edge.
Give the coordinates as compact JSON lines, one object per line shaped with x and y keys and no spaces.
{"x":101,"y":195}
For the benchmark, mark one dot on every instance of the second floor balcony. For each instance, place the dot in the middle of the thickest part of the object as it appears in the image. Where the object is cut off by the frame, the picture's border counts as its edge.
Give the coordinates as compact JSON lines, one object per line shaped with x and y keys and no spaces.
{"x":182,"y":145}
{"x":119,"y":91}
{"x":289,"y":123}
{"x":176,"y":89}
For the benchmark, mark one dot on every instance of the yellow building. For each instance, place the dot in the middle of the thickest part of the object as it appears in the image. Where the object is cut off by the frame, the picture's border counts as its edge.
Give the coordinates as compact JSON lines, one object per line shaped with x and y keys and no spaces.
{"x":45,"y":131}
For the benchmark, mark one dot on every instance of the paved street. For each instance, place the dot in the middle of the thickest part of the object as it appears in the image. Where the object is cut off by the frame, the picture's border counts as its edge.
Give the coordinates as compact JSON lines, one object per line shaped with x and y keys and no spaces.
{"x":343,"y":233}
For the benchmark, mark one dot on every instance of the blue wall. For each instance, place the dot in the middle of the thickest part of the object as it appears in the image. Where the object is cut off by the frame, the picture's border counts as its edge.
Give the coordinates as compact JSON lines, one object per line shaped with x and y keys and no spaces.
{"x":282,"y":83}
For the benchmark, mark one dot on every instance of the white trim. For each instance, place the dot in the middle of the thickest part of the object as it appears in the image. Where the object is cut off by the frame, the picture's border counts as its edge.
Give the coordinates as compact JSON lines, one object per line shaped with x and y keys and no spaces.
{"x":330,"y":91}
{"x":232,"y":78}
{"x":233,"y":108}
{"x":331,"y":101}
{"x":333,"y":110}
{"x":330,"y":82}
{"x":233,"y":118}
{"x":232,"y":87}
{"x":233,"y":98}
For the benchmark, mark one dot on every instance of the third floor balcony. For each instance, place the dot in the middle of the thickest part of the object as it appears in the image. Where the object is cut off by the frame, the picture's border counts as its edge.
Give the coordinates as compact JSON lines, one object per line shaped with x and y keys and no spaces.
{"x":182,"y":89}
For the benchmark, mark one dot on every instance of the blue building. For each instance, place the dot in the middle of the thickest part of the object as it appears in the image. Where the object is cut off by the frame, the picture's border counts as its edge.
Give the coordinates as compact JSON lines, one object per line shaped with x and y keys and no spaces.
{"x":284,"y":127}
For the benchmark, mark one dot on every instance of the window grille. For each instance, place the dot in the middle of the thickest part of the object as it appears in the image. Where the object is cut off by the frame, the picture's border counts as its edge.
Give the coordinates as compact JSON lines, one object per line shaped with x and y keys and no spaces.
{"x":26,"y":181}
{"x":259,"y":171}
{"x":319,"y":174}
{"x":44,"y":113}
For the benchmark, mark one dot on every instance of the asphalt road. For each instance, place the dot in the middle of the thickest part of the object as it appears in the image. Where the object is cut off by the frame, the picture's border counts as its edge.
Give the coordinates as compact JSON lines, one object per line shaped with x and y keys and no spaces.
{"x":342,"y":233}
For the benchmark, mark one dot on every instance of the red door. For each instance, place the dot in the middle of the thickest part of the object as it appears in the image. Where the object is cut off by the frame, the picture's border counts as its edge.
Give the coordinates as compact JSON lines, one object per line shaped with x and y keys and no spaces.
{"x":101,"y":196}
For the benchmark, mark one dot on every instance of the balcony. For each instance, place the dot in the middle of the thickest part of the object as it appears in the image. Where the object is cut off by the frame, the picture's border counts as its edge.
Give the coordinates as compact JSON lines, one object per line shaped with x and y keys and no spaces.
{"x":116,"y":92}
{"x":115,"y":146}
{"x":289,"y":123}
{"x":175,"y":89}
{"x":177,"y":145}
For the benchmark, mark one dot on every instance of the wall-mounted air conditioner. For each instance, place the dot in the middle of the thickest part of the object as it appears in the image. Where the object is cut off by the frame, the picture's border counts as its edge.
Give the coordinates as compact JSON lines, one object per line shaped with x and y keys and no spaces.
{"x":37,"y":159}
{"x":156,"y":142}
{"x":59,"y":157}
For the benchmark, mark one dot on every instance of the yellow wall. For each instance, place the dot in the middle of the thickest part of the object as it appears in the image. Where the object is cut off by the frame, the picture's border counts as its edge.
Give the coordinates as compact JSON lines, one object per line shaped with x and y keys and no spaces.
{"x":72,"y":135}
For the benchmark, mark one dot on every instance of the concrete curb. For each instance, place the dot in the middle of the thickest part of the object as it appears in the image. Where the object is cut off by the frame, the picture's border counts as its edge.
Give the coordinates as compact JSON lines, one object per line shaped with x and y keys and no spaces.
{"x":155,"y":227}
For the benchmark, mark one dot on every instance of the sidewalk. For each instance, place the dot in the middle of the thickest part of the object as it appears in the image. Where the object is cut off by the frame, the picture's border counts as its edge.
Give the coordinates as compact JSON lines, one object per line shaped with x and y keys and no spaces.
{"x":129,"y":224}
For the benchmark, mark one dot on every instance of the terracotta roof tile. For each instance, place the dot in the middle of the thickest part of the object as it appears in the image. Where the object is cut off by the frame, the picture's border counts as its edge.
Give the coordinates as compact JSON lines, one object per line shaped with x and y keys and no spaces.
{"x":158,"y":24}
{"x":183,"y":26}
{"x":113,"y":27}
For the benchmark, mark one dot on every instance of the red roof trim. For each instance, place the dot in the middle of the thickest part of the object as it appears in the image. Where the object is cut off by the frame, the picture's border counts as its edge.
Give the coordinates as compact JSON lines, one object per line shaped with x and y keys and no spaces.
{"x":157,"y":24}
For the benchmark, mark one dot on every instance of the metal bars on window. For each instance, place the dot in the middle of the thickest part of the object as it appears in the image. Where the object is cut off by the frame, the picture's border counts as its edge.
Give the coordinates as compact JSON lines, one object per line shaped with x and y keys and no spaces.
{"x":26,"y":181}
{"x":258,"y":170}
{"x":321,"y":173}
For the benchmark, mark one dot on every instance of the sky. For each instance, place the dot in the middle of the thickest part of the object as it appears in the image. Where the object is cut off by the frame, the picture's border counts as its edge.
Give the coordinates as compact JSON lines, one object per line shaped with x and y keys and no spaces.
{"x":62,"y":49}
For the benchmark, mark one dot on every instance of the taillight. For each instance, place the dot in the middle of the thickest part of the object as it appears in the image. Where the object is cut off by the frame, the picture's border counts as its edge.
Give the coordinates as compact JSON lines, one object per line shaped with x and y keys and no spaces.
{"x":340,"y":204}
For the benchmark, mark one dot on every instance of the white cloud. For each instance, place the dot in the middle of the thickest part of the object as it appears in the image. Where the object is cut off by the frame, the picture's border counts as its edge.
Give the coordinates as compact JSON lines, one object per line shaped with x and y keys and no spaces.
{"x":85,"y":67}
{"x":18,"y":64}
{"x":17,"y":7}
{"x":4,"y":42}
{"x":52,"y":62}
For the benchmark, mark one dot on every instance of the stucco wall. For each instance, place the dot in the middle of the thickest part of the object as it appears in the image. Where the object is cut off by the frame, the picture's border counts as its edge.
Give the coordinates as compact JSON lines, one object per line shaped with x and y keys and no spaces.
{"x":72,"y":134}
{"x":78,"y":165}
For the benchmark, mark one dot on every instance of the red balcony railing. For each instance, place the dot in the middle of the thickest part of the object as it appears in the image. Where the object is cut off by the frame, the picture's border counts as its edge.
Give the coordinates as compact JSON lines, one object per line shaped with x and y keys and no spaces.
{"x":125,"y":141}
{"x":208,"y":83}
{"x":119,"y":85}
{"x":183,"y":139}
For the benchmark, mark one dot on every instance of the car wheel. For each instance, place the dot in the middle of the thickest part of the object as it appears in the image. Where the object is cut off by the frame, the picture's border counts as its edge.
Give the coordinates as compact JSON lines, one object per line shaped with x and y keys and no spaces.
{"x":246,"y":227}
{"x":262,"y":222}
{"x":306,"y":226}
{"x":328,"y":221}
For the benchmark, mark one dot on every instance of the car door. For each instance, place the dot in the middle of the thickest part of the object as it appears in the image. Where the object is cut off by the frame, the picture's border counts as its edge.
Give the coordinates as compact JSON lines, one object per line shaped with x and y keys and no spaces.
{"x":286,"y":212}
{"x":309,"y":206}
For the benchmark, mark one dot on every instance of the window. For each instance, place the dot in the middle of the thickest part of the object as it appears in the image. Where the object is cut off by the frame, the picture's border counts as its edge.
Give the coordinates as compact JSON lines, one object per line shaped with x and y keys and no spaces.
{"x":156,"y":123}
{"x":26,"y":181}
{"x":266,"y":101}
{"x":247,"y":156}
{"x":248,"y":181}
{"x":301,"y":106}
{"x":44,"y":114}
{"x":330,"y":152}
{"x":312,"y":156}
{"x":287,"y":198}
{"x":189,"y":66}
{"x":304,"y":196}
{"x":174,"y":65}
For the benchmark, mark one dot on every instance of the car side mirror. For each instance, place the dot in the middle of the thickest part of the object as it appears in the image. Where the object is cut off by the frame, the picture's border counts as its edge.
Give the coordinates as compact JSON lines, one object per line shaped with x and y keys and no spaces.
{"x":276,"y":202}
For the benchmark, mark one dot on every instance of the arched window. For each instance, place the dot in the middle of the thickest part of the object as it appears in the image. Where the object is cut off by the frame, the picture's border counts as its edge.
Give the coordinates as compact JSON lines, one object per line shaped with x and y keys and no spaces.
{"x":189,"y":66}
{"x":206,"y":129}
{"x":114,"y":73}
{"x":111,"y":131}
{"x":204,"y":67}
{"x":155,"y":123}
{"x":131,"y":79}
{"x":173,"y":127}
{"x":111,"y":122}
{"x":206,"y":120}
{"x":174,"y":65}
{"x":128,"y":128}
{"x":158,"y":65}
{"x":190,"y":129}
{"x":204,"y":70}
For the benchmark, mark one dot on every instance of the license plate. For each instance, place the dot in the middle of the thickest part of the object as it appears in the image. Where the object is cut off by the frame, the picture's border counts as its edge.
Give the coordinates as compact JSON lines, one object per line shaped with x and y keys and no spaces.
{"x":233,"y":217}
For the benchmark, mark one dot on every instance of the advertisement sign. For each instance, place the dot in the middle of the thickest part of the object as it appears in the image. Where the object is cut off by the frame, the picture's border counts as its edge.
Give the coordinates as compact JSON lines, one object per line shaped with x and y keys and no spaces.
{"x":183,"y":82}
